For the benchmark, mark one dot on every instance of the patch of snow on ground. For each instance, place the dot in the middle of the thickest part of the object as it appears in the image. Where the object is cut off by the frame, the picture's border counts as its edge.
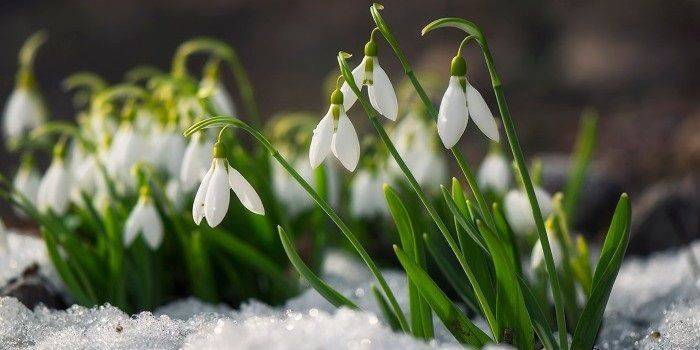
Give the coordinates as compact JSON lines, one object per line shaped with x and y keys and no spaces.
{"x":21,"y":252}
{"x":655,"y":304}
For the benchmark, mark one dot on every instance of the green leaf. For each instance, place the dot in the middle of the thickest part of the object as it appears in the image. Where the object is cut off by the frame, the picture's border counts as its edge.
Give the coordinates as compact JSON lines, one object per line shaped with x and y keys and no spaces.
{"x":386,"y":310}
{"x":411,"y":244}
{"x":581,"y":159}
{"x":539,"y":319}
{"x":333,"y":296}
{"x":456,"y":278}
{"x":510,"y":305}
{"x":454,"y":320}
{"x":604,"y":277}
{"x":246,"y":254}
{"x":205,"y":285}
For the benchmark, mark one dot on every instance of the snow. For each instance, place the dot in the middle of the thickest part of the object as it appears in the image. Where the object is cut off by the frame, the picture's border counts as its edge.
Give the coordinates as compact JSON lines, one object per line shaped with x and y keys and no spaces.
{"x":21,"y":252}
{"x":655,"y":305}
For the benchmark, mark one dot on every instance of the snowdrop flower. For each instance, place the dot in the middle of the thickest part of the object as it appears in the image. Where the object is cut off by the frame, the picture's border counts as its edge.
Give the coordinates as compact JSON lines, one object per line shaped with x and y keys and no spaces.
{"x":175,"y":193}
{"x":27,"y":180}
{"x":416,"y":143}
{"x":219,"y":96}
{"x":537,"y":256}
{"x":24,"y":112}
{"x":54,"y":189}
{"x":495,"y":172}
{"x":195,"y":161}
{"x":170,"y":150}
{"x":127,"y":149}
{"x":379,"y":88}
{"x":144,"y":219}
{"x":519,"y":213}
{"x":212,"y":198}
{"x":335,"y":132}
{"x":459,"y":102}
{"x":367,"y":194}
{"x":289,"y":192}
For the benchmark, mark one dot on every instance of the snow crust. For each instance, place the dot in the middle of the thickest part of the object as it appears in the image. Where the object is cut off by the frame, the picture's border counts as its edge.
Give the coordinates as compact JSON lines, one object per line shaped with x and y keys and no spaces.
{"x":655,"y":304}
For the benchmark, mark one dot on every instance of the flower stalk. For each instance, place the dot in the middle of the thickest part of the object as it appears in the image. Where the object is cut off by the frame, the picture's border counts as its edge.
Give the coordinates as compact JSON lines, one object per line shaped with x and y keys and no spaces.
{"x":373,"y":114}
{"x":473,"y":30}
{"x":237,"y":123}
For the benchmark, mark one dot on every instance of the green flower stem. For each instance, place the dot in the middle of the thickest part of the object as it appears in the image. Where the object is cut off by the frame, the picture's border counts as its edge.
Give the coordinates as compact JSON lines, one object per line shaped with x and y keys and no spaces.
{"x":463,"y":166}
{"x":472,"y":29}
{"x":225,"y":120}
{"x":373,"y":115}
{"x":229,"y":55}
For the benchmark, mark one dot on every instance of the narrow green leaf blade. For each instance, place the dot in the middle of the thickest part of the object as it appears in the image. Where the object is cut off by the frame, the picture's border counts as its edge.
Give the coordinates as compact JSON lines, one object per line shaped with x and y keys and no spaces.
{"x":386,"y":310}
{"x":333,"y":296}
{"x":454,"y":320}
{"x":613,"y":253}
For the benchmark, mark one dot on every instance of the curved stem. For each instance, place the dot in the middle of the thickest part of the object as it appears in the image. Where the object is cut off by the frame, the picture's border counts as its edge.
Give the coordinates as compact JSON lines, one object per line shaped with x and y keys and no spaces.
{"x":515,"y":148}
{"x":226,"y":53}
{"x":373,"y":115}
{"x":456,"y":153}
{"x":225,"y":120}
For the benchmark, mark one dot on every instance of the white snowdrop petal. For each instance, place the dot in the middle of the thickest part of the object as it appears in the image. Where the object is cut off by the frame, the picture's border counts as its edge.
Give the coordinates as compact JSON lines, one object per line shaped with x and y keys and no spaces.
{"x":346,"y":145}
{"x":152,"y":227}
{"x":480,"y":112}
{"x":349,"y":97}
{"x":222,"y":100}
{"x":321,"y":140}
{"x":133,"y":224}
{"x":381,"y":93}
{"x":245,"y":192}
{"x":217,"y":199}
{"x":27,"y":182}
{"x":453,"y":115}
{"x":198,"y":205}
{"x":544,"y":200}
{"x":518,"y":212}
{"x":494,"y":173}
{"x":194,"y":162}
{"x":24,"y":111}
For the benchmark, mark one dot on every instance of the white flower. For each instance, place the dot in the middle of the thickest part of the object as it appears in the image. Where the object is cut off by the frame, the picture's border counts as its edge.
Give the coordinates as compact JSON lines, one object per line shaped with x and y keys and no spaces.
{"x":221,"y":100}
{"x":519,"y":213}
{"x":288,"y":191}
{"x":128,"y":148}
{"x":212,"y":198}
{"x":54,"y":190}
{"x":87,"y":178}
{"x":415,"y":141}
{"x":459,"y":102}
{"x":168,"y":149}
{"x":341,"y":139}
{"x":144,"y":219}
{"x":195,"y":161}
{"x":24,"y":111}
{"x":27,"y":182}
{"x":495,"y":173}
{"x":379,"y":88}
{"x":173,"y":189}
{"x":367,"y":194}
{"x":537,"y":256}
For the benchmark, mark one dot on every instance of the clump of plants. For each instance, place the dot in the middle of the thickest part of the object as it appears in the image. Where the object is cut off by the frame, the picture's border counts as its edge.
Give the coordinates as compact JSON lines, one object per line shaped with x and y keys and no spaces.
{"x":502,"y":243}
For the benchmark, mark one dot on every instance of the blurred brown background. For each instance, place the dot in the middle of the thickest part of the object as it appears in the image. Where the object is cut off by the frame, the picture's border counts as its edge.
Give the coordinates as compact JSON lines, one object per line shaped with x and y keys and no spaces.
{"x":631,"y":60}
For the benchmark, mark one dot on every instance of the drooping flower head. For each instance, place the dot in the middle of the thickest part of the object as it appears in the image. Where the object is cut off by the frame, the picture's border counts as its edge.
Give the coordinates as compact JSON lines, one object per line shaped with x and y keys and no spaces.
{"x":495,"y":172}
{"x":25,"y":109}
{"x":460,"y":101}
{"x":379,"y":88}
{"x":27,"y":180}
{"x":212,"y":198}
{"x":335,"y":132}
{"x":537,"y":256}
{"x":54,"y":189}
{"x":195,"y":161}
{"x":144,"y":219}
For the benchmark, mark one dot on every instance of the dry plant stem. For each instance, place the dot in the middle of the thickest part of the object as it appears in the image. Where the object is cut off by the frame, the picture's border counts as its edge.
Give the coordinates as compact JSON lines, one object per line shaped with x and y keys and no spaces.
{"x":226,"y":120}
